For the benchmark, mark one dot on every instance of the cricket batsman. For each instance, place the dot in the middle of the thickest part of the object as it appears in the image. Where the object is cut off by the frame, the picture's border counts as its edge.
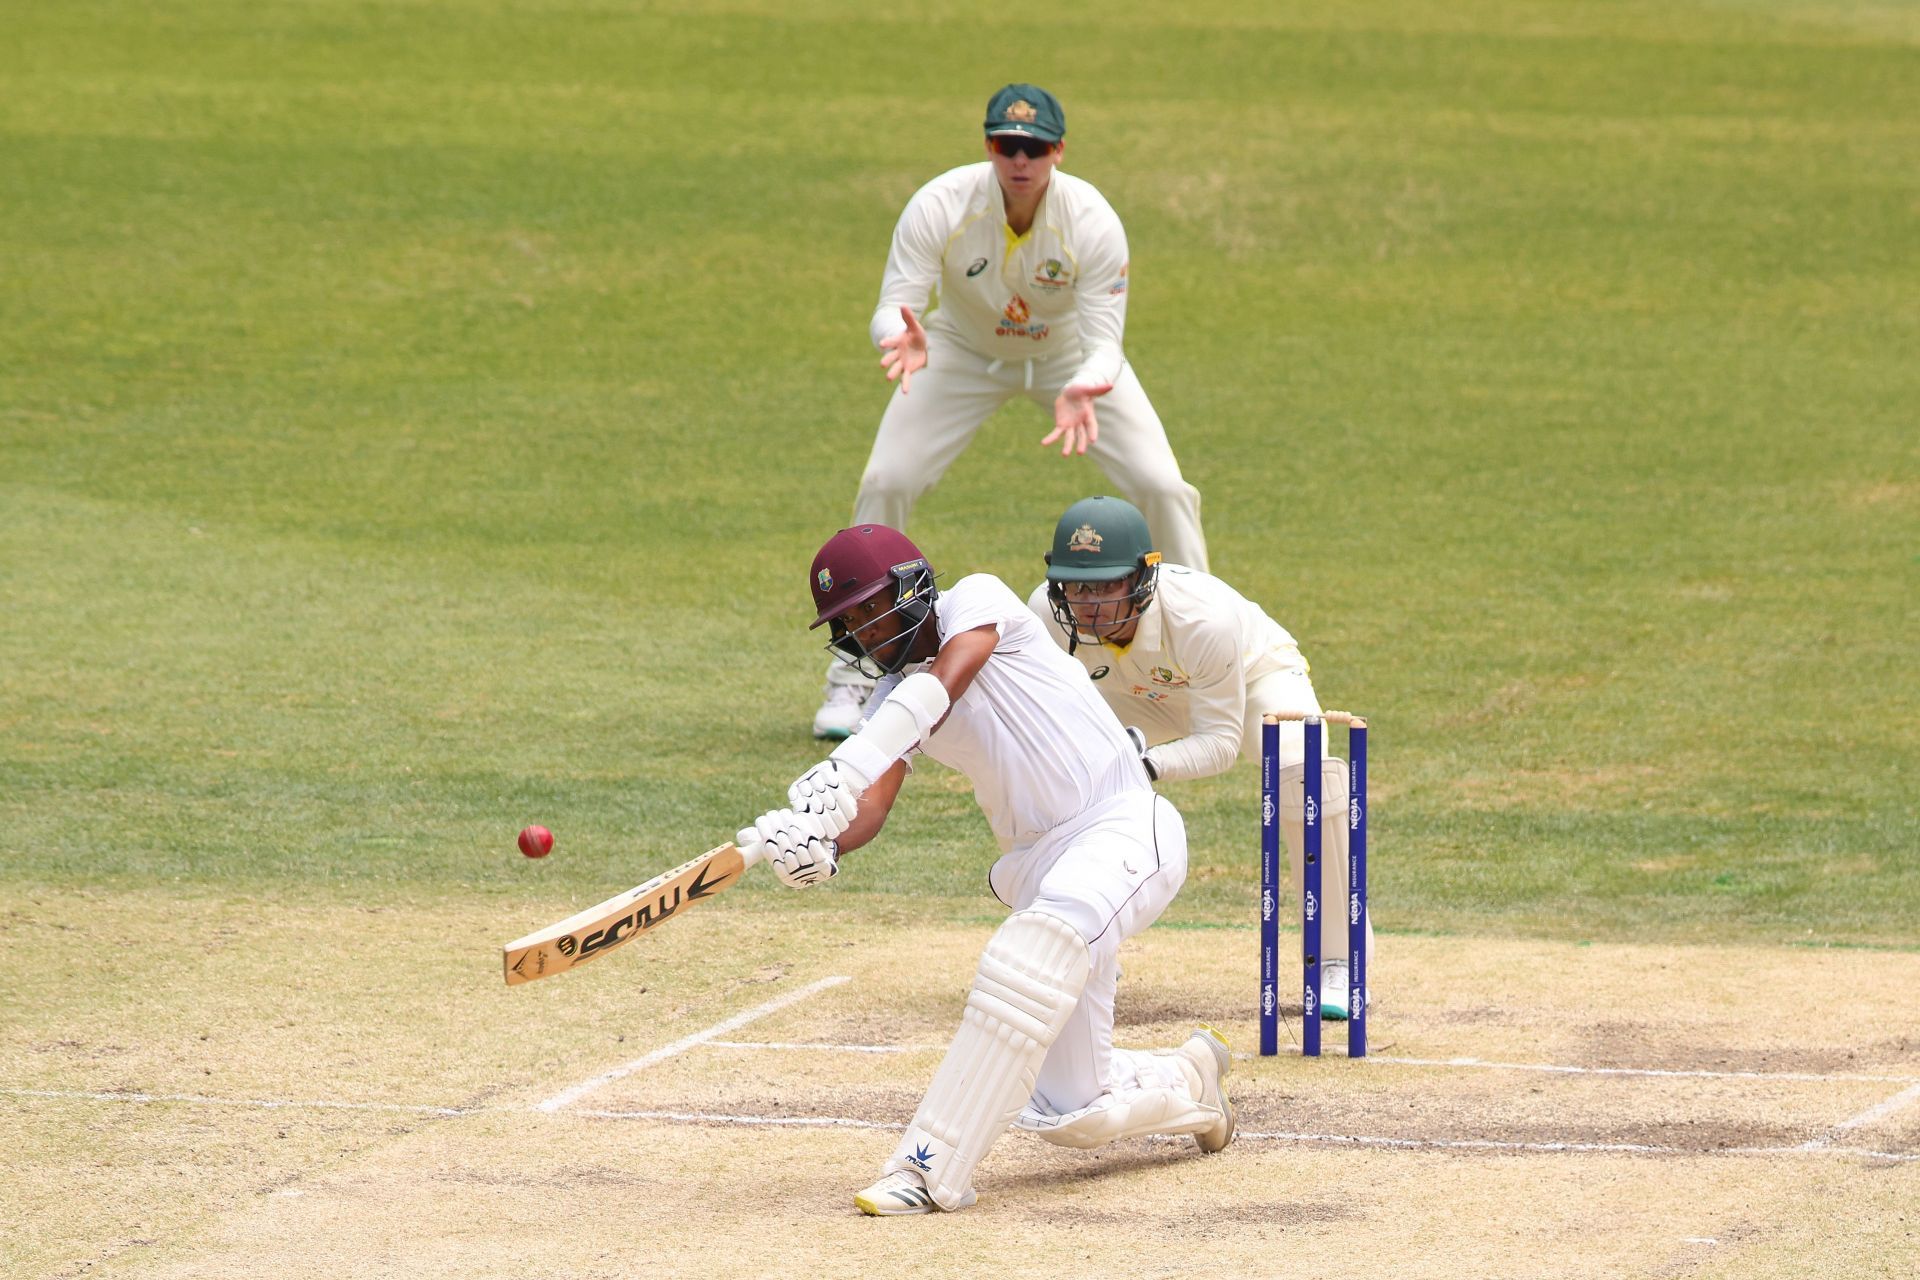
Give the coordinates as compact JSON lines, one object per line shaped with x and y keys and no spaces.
{"x":1090,"y":856}
{"x":1030,"y":268}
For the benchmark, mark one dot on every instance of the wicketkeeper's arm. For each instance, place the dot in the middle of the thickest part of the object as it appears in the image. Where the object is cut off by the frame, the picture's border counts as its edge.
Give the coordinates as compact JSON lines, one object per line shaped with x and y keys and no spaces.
{"x":1216,"y":708}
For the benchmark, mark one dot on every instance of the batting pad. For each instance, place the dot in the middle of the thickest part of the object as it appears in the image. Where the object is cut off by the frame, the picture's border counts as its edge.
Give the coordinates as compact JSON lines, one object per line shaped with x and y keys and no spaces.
{"x":1162,"y":1099}
{"x":1333,"y":849}
{"x":1030,"y":977}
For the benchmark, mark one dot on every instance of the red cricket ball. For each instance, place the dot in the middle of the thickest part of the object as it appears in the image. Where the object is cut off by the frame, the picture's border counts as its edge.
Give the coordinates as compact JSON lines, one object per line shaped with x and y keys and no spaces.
{"x":536,"y":842}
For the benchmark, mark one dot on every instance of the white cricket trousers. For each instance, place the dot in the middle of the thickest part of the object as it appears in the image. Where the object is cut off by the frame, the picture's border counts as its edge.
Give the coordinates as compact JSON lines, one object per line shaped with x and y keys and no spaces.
{"x":1109,"y":874}
{"x":922,"y":433}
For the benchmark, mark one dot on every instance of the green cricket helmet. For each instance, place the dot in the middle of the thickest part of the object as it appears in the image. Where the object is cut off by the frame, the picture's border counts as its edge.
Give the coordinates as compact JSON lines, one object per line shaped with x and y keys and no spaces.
{"x":1100,"y":539}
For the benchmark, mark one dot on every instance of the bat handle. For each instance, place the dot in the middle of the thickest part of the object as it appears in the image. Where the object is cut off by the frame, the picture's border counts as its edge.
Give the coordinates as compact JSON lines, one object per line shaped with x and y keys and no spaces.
{"x":752,"y":851}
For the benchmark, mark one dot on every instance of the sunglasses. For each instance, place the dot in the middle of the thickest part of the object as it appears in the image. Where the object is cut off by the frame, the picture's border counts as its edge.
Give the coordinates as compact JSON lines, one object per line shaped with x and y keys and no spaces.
{"x":1013,"y":144}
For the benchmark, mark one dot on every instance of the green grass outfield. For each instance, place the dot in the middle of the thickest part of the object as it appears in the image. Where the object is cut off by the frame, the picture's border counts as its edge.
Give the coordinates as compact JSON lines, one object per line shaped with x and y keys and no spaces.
{"x":416,"y":419}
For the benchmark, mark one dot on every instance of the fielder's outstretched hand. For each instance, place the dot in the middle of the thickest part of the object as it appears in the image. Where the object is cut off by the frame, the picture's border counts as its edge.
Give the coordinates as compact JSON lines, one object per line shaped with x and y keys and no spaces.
{"x":1073,"y":422}
{"x":906,"y":353}
{"x":801,"y":853}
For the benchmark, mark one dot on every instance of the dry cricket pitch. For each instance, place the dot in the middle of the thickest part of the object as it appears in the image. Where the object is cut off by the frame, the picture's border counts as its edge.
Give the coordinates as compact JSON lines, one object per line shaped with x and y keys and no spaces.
{"x":205,"y":1088}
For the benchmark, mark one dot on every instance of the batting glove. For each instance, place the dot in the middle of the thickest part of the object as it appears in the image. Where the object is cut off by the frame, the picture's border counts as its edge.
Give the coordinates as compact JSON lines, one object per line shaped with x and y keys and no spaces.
{"x":802,"y":854}
{"x":826,"y":792}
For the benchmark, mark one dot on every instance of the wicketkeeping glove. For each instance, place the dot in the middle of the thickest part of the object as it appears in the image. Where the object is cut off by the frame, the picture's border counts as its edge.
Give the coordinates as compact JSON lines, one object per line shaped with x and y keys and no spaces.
{"x":1139,"y":741}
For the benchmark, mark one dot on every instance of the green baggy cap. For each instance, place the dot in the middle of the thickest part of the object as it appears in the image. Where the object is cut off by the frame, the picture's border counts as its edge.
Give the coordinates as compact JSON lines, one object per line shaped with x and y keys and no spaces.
{"x":1028,"y":110}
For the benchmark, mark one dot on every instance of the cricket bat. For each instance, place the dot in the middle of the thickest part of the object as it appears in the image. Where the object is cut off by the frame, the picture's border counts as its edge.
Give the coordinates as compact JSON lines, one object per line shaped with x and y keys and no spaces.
{"x":592,"y":933}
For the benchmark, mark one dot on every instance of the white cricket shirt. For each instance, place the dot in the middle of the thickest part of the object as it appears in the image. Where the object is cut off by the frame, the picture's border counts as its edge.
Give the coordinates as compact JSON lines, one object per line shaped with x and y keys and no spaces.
{"x":1030,"y":733}
{"x":1059,"y":290}
{"x":1183,"y":678}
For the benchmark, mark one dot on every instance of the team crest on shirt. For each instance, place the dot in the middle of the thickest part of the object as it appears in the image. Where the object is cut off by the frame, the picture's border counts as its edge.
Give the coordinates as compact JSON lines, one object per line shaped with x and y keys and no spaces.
{"x":1085,"y":538}
{"x":1166,"y":676}
{"x":1052,"y":274}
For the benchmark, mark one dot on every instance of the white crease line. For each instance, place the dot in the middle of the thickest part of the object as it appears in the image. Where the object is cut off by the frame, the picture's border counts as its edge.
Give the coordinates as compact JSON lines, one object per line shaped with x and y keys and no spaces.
{"x":1475,"y":1063}
{"x":268,"y":1104}
{"x":753,"y":1122}
{"x":845,"y":1122}
{"x":567,"y":1097}
{"x":1878,"y":1111}
{"x":1576,"y":1148}
{"x":827,"y":1048}
{"x":1811,"y":1077}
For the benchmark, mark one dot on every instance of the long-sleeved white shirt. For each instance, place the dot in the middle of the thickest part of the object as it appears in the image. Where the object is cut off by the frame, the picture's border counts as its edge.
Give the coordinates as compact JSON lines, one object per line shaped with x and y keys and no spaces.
{"x":1183,"y":678}
{"x":1036,"y":742}
{"x":1061,"y":289}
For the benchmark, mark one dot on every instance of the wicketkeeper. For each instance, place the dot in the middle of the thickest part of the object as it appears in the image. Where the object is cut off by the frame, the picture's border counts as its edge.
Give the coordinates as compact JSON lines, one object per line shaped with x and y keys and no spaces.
{"x":1090,"y":857}
{"x":1193,"y":667}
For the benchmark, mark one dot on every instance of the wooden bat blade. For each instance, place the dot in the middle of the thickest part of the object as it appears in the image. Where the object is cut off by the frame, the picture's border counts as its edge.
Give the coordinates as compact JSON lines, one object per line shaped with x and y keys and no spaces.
{"x":589,"y":934}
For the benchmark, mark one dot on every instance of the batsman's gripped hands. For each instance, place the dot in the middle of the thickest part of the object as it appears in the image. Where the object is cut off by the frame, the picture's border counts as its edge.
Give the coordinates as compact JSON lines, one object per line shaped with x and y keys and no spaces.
{"x":795,"y":844}
{"x":906,"y":353}
{"x":1073,"y":422}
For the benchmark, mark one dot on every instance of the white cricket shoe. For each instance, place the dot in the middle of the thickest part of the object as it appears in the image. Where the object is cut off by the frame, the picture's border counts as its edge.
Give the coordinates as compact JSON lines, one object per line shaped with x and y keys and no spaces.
{"x":1333,"y":990}
{"x":1207,"y":1050}
{"x":899,"y":1194}
{"x":839,"y":715}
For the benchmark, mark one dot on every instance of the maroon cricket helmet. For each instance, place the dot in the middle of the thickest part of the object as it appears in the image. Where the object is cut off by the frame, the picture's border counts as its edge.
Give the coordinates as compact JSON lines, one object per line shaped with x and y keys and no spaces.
{"x":860,"y":563}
